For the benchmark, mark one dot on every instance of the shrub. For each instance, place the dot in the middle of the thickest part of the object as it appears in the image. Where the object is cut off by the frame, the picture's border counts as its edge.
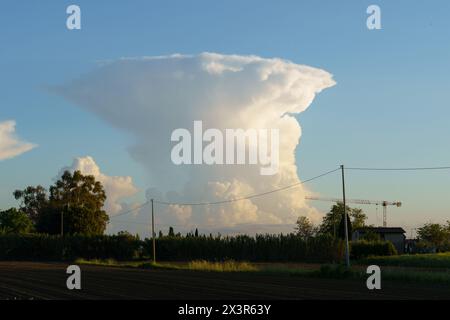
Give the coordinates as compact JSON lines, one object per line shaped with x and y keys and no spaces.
{"x":363,"y":248}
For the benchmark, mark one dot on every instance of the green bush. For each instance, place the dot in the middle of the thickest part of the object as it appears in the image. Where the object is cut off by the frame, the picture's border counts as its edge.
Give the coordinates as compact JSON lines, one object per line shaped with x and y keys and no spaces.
{"x":361,"y":249}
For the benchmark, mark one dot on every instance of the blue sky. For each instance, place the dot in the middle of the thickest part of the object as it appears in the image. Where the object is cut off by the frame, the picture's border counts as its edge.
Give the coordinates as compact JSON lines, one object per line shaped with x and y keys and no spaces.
{"x":388,"y":109}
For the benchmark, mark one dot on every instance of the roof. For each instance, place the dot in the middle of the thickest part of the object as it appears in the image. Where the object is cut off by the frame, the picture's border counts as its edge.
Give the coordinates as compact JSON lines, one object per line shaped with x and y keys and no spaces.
{"x":382,"y":229}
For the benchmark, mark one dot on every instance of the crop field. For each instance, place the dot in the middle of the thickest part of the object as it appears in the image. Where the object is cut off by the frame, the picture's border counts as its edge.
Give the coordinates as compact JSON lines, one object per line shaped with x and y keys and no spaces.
{"x":32,"y":280}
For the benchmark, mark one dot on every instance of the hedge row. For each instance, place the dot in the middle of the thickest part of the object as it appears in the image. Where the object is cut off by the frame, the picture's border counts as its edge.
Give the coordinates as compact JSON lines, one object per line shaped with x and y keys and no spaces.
{"x":262,"y":248}
{"x":362,"y":249}
{"x":48,"y":247}
{"x":259,"y":249}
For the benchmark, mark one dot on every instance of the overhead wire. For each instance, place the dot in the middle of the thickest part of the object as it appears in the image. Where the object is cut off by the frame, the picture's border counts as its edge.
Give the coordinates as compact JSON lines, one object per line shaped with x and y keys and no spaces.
{"x":225,"y":201}
{"x":278,"y":189}
{"x":247,"y":197}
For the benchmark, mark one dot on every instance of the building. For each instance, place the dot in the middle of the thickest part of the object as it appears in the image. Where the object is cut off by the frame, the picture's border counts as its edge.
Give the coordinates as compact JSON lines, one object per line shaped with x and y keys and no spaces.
{"x":395,"y":235}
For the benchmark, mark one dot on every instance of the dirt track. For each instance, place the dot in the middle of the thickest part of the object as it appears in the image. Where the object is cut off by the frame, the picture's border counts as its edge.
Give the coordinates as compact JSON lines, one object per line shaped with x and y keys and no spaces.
{"x":25,"y":280}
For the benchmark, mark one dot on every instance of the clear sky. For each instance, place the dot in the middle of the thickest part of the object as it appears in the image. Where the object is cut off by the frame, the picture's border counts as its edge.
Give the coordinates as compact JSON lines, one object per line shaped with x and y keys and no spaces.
{"x":390,"y":107}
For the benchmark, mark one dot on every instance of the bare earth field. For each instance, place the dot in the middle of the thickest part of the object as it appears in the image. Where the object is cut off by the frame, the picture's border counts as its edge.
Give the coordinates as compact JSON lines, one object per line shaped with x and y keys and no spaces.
{"x":32,"y":280}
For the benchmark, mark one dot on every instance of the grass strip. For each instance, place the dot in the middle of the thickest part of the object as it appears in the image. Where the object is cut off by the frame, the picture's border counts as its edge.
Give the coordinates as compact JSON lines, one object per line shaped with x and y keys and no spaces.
{"x":327,"y":271}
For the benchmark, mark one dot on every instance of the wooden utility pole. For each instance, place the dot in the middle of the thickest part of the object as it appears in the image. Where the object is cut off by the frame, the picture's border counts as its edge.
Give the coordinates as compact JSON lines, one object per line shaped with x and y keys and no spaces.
{"x":347,"y":251}
{"x":153,"y":234}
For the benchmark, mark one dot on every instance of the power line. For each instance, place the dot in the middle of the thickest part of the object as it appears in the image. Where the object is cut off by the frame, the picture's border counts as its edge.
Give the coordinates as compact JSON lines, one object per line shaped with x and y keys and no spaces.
{"x":397,"y":169}
{"x":279,"y":189}
{"x":131,"y":210}
{"x":142,"y":223}
{"x":132,"y":222}
{"x":247,"y":197}
{"x":224,"y":201}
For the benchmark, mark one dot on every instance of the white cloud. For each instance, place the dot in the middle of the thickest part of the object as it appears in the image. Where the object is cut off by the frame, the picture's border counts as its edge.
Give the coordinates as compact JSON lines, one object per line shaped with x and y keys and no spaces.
{"x":149,"y":97}
{"x":116,"y":188}
{"x":10,"y":145}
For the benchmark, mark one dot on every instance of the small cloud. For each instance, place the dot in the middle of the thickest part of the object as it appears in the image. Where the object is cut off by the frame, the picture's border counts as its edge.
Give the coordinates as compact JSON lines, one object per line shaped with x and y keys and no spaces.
{"x":116,"y":188}
{"x":10,"y":145}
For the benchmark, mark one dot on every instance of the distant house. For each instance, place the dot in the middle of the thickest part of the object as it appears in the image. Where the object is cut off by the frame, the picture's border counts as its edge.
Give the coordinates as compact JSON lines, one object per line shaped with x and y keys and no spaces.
{"x":395,"y":235}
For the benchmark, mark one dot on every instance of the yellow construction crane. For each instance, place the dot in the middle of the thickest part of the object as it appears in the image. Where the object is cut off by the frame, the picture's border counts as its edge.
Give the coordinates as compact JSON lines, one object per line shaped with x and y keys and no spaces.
{"x":359,"y":201}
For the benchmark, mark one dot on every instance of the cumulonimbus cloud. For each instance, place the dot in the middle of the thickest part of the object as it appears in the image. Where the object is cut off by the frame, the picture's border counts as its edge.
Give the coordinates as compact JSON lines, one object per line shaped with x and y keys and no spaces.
{"x":116,"y":188}
{"x":10,"y":145}
{"x":150,"y":97}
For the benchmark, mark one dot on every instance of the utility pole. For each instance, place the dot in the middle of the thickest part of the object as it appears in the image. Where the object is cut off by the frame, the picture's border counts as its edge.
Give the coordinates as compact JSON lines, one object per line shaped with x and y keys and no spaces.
{"x":153,"y":234}
{"x":347,"y":251}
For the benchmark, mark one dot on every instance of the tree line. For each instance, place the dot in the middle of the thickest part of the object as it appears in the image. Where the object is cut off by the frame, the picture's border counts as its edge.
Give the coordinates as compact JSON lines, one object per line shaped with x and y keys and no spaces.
{"x":430,"y":237}
{"x":74,"y":205}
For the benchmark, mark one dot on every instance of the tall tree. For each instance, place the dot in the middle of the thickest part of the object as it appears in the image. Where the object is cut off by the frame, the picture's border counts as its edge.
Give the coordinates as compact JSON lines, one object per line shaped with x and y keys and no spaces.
{"x":80,"y":199}
{"x":434,"y":233}
{"x":358,"y":218}
{"x":32,"y":201}
{"x":304,"y":228}
{"x":332,"y":220}
{"x":77,"y":190}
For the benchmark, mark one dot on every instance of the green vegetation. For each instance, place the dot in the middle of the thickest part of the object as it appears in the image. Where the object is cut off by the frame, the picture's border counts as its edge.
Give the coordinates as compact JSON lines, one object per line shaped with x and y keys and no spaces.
{"x":434,"y":236}
{"x":130,"y":264}
{"x":363,"y":248}
{"x":436,"y":260}
{"x":261,"y":248}
{"x":32,"y":233}
{"x":413,"y":276}
{"x":390,"y":274}
{"x":226,"y":266}
{"x":326,"y":271}
{"x":333,"y":222}
{"x":13,"y":221}
{"x":370,"y":236}
{"x":43,"y":247}
{"x":433,"y":268}
{"x":106,"y":262}
{"x":124,"y":246}
{"x":76,"y":198}
{"x":336,"y":271}
{"x":197,"y":265}
{"x":304,"y":228}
